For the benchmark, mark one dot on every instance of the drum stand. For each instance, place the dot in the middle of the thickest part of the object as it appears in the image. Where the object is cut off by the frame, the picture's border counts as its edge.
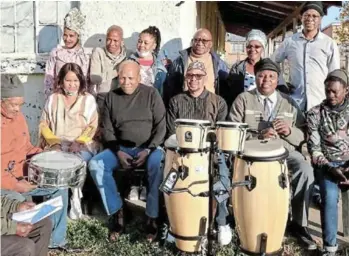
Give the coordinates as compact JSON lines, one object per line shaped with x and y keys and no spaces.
{"x":211,"y":137}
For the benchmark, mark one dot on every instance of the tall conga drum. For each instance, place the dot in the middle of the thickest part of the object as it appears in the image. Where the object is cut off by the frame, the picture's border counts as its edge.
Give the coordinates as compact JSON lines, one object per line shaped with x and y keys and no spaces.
{"x":261,"y":209}
{"x":188,"y":215}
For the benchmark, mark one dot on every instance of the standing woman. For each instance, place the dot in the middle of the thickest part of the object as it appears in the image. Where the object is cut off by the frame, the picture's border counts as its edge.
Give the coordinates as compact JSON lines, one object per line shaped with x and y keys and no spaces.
{"x":153,"y":71}
{"x":328,"y":145}
{"x":69,"y":121}
{"x":71,"y":52}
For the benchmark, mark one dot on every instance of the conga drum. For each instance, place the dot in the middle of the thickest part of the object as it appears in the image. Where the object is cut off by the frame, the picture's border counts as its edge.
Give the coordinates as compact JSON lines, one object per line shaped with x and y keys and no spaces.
{"x":191,"y":134}
{"x":188,"y":215}
{"x":231,"y":137}
{"x":261,"y":209}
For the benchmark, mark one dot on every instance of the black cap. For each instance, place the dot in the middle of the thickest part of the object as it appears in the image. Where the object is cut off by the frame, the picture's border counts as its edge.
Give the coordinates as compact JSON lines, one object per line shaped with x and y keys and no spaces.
{"x":315,"y":5}
{"x":266,"y":64}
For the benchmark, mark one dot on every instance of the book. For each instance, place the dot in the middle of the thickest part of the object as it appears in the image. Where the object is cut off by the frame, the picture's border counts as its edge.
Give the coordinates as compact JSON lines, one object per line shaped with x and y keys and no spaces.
{"x":39,"y":211}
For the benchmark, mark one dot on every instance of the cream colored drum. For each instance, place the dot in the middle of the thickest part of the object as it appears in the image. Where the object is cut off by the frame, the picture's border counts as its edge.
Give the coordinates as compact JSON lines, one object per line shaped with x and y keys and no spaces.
{"x":191,"y":134}
{"x":188,"y":215}
{"x":231,"y":136}
{"x":261,"y":209}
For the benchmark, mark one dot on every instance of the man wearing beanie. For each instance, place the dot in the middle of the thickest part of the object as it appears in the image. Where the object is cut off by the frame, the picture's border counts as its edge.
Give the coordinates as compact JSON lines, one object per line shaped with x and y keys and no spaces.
{"x":311,"y":56}
{"x":328,"y":146}
{"x":275,"y":115}
{"x":15,"y":149}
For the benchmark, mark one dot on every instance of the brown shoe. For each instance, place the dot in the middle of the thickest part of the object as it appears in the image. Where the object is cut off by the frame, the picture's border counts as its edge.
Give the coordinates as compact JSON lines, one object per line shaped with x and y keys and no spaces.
{"x":151,"y":229}
{"x":116,"y":225}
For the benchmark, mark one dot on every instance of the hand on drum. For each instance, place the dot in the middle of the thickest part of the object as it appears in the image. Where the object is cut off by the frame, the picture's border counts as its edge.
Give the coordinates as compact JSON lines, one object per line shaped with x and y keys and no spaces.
{"x":125,"y":159}
{"x":142,"y":157}
{"x":75,"y":147}
{"x":281,"y":127}
{"x":25,"y":206}
{"x":268,"y":133}
{"x":23,"y":229}
{"x":24,"y":186}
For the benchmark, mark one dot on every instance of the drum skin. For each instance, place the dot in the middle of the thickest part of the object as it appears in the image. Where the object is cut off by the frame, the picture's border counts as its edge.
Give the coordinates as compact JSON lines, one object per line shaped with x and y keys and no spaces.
{"x":264,"y":209}
{"x":185,"y":211}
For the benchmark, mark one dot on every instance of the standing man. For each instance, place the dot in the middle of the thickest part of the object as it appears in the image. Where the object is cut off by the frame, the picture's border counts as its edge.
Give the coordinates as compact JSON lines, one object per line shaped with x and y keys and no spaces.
{"x":134,"y":126}
{"x":105,"y":62}
{"x":199,"y":103}
{"x":275,"y":114}
{"x":201,"y":50}
{"x":311,"y":55}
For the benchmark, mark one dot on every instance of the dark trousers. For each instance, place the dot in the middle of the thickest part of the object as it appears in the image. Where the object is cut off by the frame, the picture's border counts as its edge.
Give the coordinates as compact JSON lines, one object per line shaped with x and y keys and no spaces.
{"x":35,"y":244}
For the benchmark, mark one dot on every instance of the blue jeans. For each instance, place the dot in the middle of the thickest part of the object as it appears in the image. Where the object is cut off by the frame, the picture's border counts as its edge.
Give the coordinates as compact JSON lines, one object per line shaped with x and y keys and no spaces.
{"x":329,"y":192}
{"x":59,"y":219}
{"x":223,"y":212}
{"x":102,"y":167}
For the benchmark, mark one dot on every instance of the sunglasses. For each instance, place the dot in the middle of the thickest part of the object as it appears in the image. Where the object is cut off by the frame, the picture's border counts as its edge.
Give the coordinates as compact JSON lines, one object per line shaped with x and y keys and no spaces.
{"x":198,"y":40}
{"x":191,"y":76}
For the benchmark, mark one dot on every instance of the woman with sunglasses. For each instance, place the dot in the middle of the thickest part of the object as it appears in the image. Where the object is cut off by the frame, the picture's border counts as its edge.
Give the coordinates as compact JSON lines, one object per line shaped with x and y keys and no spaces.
{"x":242,"y":76}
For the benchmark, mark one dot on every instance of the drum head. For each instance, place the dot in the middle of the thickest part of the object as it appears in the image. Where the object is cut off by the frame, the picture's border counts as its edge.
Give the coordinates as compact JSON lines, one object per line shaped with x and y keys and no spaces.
{"x":56,"y":160}
{"x":264,"y":150}
{"x":193,"y":122}
{"x":231,"y":124}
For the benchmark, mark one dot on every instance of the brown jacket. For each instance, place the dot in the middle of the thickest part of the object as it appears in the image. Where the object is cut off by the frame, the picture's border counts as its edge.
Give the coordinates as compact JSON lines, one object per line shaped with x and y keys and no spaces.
{"x":15,"y":146}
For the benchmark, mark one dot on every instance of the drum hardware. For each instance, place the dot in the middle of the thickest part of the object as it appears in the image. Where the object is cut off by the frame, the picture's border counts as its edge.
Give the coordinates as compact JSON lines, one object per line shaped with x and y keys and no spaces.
{"x":263,"y":247}
{"x":283,"y":176}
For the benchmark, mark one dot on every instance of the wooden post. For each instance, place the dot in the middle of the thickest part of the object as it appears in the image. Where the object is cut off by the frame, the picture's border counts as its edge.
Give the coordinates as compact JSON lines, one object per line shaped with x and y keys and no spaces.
{"x":294,"y":20}
{"x":284,"y":30}
{"x":270,"y":52}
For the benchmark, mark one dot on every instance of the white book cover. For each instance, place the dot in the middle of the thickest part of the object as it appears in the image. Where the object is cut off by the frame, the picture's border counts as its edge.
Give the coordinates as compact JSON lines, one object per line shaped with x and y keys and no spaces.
{"x":39,"y":212}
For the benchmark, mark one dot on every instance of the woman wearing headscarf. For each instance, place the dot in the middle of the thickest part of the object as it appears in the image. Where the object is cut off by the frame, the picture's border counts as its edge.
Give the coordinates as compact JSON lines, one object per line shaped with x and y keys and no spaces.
{"x":242,"y":76}
{"x":153,"y":71}
{"x":70,"y":52}
{"x":328,"y":145}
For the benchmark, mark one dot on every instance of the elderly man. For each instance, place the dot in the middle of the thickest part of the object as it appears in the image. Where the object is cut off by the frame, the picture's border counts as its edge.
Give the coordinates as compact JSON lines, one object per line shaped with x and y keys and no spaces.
{"x":134,"y":127}
{"x":16,"y":149}
{"x":199,"y":103}
{"x":311,"y":56}
{"x":201,"y":50}
{"x":105,"y":62}
{"x":275,"y":114}
{"x":22,"y":238}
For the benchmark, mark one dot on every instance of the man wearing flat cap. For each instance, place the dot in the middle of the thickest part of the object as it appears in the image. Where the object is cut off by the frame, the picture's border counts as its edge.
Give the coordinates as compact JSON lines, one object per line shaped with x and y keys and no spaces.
{"x":200,"y":104}
{"x":16,"y":148}
{"x":276,"y":115}
{"x":311,"y":56}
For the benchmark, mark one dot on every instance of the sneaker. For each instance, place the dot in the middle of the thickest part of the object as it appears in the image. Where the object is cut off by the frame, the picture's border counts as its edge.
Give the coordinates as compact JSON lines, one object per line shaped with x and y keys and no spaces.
{"x":224,"y":235}
{"x":326,"y":253}
{"x":303,"y":236}
{"x":134,"y":193}
{"x":151,"y":229}
{"x":143,"y":194}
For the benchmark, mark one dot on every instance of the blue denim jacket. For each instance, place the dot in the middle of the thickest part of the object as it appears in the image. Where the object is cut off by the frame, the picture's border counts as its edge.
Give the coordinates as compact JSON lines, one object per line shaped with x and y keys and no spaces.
{"x":159,"y":71}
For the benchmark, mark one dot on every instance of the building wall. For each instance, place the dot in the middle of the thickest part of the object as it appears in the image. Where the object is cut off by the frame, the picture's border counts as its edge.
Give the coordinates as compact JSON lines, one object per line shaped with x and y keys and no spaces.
{"x":26,"y":54}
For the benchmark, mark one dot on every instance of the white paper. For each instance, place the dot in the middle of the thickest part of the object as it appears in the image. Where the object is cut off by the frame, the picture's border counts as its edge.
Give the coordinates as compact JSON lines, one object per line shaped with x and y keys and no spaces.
{"x":39,"y":212}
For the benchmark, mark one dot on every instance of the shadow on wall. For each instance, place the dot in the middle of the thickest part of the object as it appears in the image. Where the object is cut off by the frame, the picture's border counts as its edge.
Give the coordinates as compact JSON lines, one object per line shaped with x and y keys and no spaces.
{"x":171,"y":49}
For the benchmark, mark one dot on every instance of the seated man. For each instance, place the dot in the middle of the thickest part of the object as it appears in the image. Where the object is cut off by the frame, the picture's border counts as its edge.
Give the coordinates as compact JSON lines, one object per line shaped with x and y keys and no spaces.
{"x":199,"y":103}
{"x":22,"y":238}
{"x":134,"y":126}
{"x":274,"y":114}
{"x":15,"y":149}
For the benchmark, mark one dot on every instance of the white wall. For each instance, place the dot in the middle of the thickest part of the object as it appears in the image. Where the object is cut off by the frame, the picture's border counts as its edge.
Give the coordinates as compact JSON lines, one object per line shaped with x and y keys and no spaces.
{"x":177,"y":25}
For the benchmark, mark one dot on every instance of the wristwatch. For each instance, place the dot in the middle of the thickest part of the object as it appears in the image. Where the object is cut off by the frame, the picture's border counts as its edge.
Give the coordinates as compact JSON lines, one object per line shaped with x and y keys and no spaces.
{"x":148,"y":151}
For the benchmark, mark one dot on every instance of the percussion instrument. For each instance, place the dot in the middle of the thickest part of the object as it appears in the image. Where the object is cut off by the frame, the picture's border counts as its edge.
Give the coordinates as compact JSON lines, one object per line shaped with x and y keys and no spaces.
{"x":261,"y":208}
{"x":231,"y":136}
{"x":57,"y":169}
{"x":187,"y":213}
{"x":191,"y":134}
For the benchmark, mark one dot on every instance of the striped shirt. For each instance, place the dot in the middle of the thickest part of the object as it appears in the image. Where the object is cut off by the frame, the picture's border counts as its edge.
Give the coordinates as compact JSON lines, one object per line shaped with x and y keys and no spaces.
{"x":207,"y":106}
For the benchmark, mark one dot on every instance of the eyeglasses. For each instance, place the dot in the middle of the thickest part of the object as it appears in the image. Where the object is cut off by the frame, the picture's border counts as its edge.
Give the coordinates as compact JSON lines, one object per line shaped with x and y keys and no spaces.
{"x":253,"y":46}
{"x":311,"y":16}
{"x":196,"y":76}
{"x":204,"y":41}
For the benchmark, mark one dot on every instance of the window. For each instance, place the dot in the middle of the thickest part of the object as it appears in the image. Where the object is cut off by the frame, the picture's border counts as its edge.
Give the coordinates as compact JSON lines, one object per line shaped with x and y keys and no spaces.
{"x":31,"y":26}
{"x":238,"y":47}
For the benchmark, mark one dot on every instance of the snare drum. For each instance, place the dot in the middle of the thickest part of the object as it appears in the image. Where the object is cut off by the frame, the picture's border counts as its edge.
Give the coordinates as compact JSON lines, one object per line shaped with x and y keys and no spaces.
{"x":231,"y":137}
{"x":191,"y":134}
{"x":57,"y":169}
{"x":261,"y":210}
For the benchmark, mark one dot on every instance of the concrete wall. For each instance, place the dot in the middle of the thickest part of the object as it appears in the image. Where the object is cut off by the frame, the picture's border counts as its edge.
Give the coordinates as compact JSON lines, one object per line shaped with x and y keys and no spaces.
{"x":177,"y":25}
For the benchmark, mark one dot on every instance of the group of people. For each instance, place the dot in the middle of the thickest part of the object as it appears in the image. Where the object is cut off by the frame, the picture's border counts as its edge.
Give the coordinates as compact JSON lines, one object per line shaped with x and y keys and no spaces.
{"x":117,"y":109}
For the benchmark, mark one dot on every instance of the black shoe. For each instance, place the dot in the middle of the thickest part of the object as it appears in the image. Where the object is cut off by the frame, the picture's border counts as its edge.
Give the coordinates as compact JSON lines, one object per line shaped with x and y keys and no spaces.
{"x":303,"y":236}
{"x":116,"y":225}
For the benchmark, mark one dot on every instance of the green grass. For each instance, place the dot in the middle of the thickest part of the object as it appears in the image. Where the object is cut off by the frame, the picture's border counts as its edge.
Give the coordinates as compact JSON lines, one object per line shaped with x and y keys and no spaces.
{"x":92,"y":236}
